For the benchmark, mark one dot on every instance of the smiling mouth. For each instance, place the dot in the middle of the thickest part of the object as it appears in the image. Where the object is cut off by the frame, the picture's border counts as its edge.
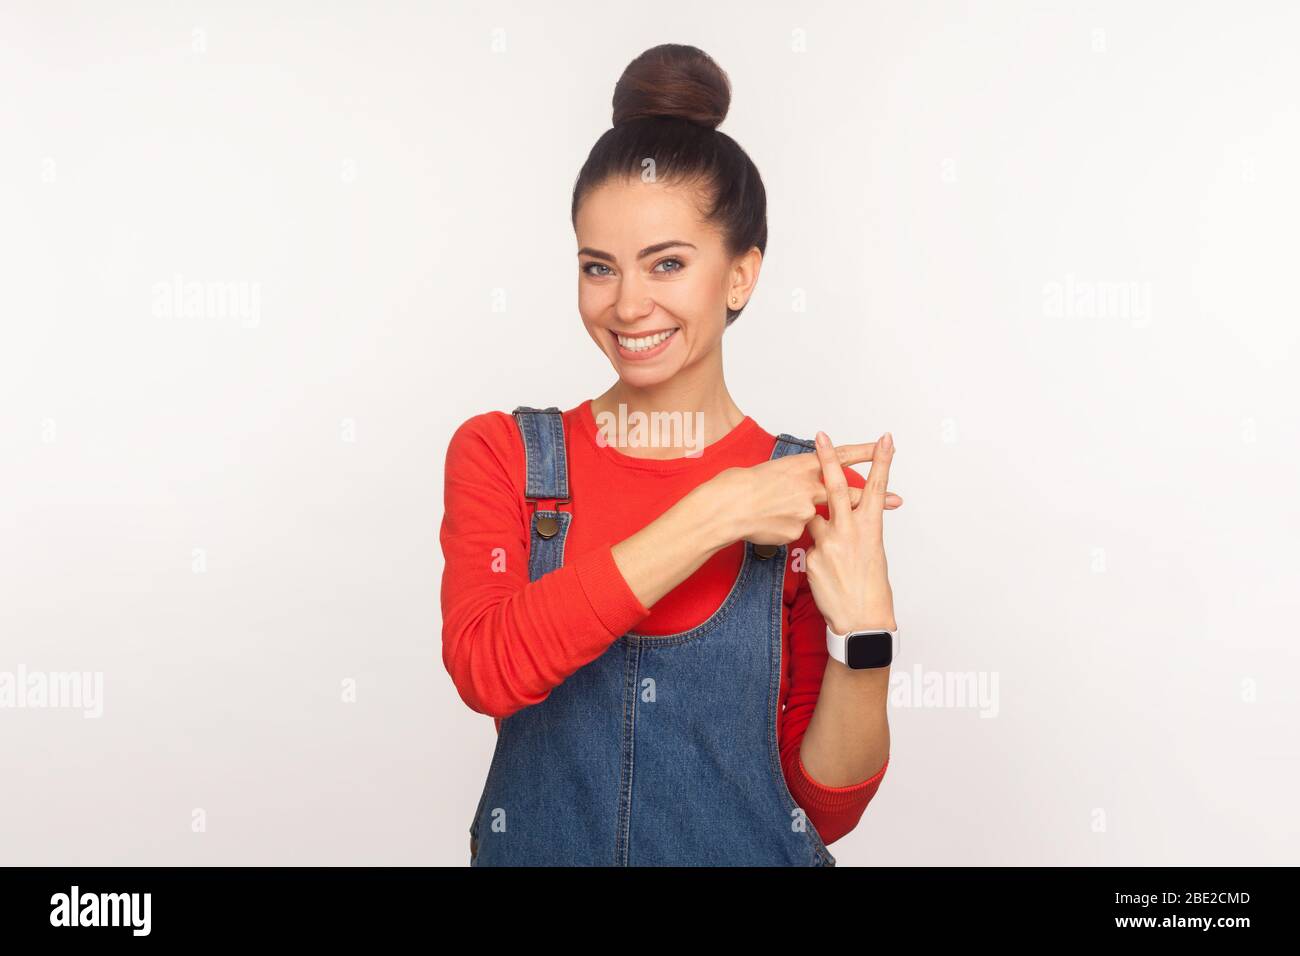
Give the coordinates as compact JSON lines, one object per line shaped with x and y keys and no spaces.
{"x":646,"y":342}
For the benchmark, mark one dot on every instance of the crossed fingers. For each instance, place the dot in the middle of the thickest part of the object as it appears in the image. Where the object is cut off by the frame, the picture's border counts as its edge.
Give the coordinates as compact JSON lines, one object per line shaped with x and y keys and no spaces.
{"x":868,"y":505}
{"x":850,"y":455}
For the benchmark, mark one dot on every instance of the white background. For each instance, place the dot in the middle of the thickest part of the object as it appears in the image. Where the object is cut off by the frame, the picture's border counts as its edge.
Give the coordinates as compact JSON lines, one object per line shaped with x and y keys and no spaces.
{"x":1101,"y":504}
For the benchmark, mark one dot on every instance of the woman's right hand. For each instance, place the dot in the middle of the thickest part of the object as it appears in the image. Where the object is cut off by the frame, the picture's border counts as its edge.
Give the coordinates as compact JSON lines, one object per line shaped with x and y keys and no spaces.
{"x":773,"y":501}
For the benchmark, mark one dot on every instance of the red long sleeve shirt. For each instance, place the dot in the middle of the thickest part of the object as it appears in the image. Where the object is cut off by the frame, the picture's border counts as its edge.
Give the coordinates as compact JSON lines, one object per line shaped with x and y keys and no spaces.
{"x":508,"y":641}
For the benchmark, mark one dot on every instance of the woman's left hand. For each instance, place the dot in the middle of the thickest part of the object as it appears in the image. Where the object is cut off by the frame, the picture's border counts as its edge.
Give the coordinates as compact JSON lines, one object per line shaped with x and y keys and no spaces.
{"x":847,"y":572}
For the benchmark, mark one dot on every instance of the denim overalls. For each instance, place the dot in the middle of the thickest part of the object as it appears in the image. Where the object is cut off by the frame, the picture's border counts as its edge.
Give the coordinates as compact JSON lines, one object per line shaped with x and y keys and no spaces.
{"x":663,"y":750}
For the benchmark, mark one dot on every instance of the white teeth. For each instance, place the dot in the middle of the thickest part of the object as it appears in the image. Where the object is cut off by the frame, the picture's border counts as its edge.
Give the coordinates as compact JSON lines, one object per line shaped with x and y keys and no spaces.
{"x":648,"y":342}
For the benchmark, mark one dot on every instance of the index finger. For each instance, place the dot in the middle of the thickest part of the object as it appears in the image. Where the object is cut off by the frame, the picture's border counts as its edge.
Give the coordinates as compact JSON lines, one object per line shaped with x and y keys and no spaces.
{"x":855,"y":454}
{"x":837,"y":488}
{"x":873,"y":495}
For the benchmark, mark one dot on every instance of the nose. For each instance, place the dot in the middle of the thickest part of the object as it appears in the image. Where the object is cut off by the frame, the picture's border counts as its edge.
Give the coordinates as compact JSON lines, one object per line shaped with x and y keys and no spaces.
{"x":633,"y":303}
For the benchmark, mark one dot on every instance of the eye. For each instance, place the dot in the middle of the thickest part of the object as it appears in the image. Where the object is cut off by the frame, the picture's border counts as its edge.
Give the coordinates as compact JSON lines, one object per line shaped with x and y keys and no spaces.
{"x":680,"y":264}
{"x":587,"y":268}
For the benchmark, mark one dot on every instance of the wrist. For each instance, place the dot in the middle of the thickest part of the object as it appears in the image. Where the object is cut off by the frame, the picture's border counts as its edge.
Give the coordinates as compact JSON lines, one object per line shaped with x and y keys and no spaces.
{"x":711,"y":513}
{"x":864,"y":621}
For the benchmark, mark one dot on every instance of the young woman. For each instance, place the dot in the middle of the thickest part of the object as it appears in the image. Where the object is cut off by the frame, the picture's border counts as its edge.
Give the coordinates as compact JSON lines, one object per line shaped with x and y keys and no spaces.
{"x":661,"y":635}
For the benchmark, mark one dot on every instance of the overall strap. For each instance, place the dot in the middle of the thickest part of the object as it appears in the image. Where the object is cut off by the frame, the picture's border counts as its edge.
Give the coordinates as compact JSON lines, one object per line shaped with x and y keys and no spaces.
{"x":546,"y":485}
{"x":789,"y":445}
{"x":544,"y":452}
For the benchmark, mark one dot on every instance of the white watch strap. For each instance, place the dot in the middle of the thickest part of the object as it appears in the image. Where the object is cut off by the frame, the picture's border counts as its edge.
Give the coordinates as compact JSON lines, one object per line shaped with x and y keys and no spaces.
{"x":837,"y":644}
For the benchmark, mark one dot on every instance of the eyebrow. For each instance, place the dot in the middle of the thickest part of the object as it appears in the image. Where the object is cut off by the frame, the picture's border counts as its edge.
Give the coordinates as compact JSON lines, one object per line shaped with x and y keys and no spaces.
{"x":647,"y":251}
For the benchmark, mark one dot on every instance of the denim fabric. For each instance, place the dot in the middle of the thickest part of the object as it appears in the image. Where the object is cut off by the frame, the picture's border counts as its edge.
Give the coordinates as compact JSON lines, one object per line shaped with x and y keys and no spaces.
{"x":663,"y":750}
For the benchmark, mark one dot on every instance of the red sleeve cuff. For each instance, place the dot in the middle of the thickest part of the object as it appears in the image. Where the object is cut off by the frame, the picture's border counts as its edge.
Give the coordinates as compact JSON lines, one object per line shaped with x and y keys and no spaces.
{"x":607,"y":591}
{"x":818,"y":798}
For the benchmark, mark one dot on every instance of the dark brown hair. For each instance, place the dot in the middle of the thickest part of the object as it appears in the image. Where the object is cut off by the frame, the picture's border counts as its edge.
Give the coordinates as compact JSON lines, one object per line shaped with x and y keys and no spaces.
{"x":667,"y":105}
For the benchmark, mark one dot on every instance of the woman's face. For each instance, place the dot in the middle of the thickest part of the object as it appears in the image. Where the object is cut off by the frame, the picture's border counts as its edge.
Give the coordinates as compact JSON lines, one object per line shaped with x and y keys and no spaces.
{"x":654,"y":281}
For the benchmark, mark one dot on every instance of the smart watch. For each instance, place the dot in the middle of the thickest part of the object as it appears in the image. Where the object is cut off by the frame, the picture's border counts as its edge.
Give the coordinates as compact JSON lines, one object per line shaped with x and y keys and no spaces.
{"x":863,"y":649}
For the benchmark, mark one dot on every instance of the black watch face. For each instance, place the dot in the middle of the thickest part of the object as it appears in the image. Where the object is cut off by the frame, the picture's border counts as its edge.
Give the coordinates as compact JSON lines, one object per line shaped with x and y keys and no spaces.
{"x":869,"y":650}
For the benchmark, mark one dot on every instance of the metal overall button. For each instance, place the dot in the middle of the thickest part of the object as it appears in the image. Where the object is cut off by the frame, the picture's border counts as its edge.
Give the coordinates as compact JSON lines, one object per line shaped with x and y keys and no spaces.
{"x":765,"y":551}
{"x":548,"y":526}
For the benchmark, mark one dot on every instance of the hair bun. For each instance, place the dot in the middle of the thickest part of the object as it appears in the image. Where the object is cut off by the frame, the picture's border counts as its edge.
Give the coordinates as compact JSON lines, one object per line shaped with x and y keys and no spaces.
{"x":676,"y":80}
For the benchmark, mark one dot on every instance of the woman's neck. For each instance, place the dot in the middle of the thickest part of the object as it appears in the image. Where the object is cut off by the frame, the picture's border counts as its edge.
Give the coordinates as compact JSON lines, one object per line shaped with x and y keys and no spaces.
{"x":708,"y":403}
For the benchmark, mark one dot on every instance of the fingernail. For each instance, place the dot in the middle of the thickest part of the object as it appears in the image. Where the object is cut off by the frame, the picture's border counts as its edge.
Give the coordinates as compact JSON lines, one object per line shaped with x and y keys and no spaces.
{"x":886,"y":441}
{"x":821,"y":438}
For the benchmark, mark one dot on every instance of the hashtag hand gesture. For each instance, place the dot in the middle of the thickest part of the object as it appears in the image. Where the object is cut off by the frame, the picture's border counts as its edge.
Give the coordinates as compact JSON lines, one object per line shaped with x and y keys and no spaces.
{"x":847,"y":571}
